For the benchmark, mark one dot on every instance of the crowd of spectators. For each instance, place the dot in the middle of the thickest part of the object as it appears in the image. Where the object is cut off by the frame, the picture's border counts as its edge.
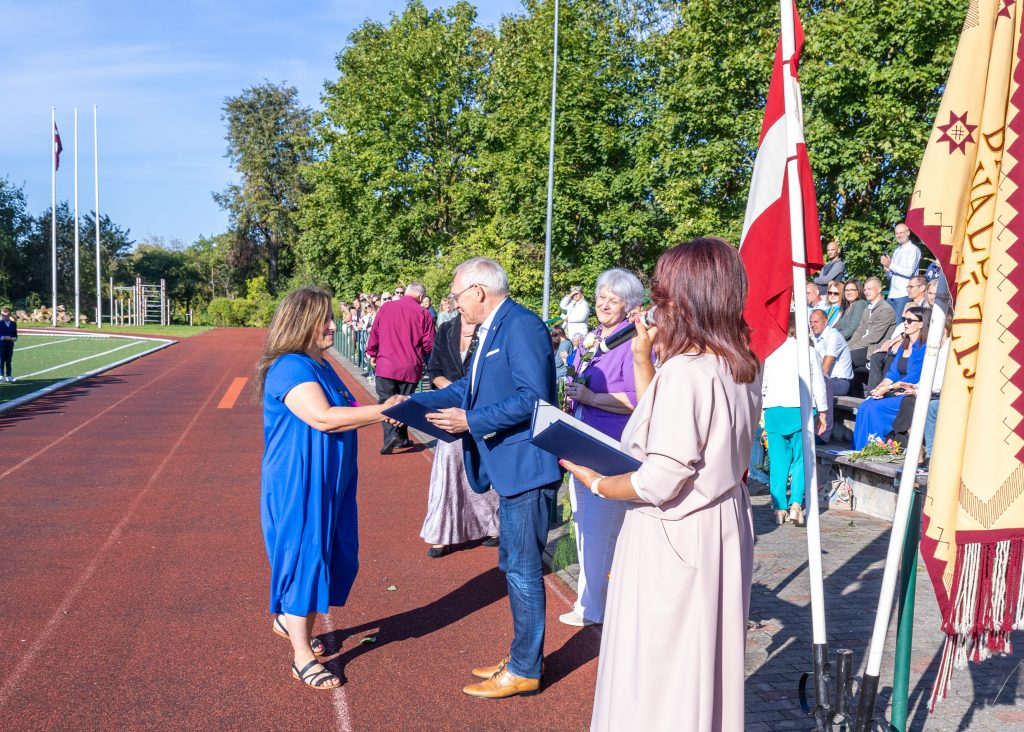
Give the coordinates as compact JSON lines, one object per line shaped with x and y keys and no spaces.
{"x":871,"y":346}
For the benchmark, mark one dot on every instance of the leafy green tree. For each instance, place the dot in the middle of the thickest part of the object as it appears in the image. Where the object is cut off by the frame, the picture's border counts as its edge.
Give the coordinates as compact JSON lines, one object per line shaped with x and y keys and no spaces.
{"x":604,"y":208}
{"x":15,"y":223}
{"x":402,"y":125}
{"x":268,"y":134}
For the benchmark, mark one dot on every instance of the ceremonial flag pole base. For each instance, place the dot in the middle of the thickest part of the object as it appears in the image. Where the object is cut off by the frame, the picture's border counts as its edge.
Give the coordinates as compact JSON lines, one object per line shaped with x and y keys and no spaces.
{"x":866,"y":707}
{"x":831,"y":703}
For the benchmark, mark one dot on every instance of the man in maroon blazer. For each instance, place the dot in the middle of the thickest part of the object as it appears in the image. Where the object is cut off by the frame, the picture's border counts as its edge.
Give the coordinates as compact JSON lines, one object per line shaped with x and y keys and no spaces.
{"x":401,"y":339}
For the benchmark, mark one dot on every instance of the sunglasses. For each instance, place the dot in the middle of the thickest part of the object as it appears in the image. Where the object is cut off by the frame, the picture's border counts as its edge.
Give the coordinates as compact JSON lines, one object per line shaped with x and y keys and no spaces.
{"x":911,"y":320}
{"x":399,"y":292}
{"x":834,"y":292}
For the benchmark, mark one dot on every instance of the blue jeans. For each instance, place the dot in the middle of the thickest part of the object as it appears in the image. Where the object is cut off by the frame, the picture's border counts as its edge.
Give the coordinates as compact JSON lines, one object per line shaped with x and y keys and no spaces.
{"x":524,"y":533}
{"x":898,"y":303}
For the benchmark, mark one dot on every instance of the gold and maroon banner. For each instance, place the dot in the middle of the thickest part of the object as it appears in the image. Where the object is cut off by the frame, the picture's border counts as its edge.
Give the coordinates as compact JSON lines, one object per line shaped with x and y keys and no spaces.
{"x":968,"y":208}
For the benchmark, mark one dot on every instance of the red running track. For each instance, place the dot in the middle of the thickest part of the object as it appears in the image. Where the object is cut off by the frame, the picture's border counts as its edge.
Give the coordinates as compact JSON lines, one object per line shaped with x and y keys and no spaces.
{"x":133,"y":590}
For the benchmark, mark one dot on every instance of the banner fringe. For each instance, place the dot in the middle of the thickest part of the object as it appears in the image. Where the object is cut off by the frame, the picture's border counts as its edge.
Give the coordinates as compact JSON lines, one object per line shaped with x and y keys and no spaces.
{"x":987,"y":605}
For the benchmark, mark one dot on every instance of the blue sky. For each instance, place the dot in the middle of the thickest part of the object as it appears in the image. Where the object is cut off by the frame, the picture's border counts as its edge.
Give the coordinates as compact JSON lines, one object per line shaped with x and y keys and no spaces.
{"x":159,"y":73}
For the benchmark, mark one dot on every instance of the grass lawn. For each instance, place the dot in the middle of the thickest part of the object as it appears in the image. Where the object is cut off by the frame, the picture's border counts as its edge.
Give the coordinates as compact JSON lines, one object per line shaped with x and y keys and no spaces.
{"x":42,"y":360}
{"x":165,"y":331}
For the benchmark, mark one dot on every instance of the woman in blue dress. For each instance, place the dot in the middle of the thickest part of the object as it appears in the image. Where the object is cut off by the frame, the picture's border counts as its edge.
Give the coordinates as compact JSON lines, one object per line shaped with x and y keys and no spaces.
{"x":876,"y":414}
{"x":308,"y":481}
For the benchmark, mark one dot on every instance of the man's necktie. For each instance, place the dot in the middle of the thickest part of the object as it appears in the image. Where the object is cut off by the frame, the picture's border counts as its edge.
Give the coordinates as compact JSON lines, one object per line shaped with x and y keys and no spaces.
{"x":473,"y":343}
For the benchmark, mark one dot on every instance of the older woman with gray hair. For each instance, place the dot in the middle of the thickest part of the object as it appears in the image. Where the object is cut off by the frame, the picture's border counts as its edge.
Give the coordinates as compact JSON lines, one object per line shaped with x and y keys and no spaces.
{"x":604,"y":395}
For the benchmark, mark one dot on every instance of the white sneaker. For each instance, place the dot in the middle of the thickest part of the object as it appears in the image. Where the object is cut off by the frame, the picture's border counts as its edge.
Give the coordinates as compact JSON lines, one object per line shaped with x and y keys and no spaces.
{"x":10,"y":379}
{"x":575,"y":619}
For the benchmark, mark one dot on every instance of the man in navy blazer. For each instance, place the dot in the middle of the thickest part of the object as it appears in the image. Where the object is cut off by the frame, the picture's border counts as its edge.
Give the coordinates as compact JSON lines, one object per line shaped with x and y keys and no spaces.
{"x":513,"y":366}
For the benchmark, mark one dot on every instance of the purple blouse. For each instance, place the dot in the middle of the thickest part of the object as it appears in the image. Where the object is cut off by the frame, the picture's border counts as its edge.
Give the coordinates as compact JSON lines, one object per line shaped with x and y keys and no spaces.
{"x":609,"y":373}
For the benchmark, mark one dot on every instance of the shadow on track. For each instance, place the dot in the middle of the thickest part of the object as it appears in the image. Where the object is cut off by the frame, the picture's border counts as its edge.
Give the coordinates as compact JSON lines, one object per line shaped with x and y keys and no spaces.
{"x":474,"y":595}
{"x":56,"y":402}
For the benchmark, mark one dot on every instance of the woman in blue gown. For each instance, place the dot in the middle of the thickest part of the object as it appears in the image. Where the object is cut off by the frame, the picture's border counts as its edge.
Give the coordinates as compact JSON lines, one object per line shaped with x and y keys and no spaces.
{"x":308,"y":479}
{"x":876,"y":414}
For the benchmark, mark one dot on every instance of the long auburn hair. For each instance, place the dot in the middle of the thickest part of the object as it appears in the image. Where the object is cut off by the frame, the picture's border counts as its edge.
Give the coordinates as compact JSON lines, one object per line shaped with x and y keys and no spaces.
{"x":696,"y":313}
{"x":296,"y":327}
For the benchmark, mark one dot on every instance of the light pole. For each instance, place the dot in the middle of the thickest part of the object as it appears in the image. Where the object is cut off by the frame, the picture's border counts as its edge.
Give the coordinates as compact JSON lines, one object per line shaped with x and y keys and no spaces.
{"x":551,"y":174}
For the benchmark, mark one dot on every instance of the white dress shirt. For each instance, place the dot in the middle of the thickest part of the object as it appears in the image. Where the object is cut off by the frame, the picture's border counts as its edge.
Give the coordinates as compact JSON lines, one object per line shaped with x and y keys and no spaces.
{"x":903,"y":266}
{"x":780,"y":384}
{"x":831,"y":343}
{"x":481,"y":334}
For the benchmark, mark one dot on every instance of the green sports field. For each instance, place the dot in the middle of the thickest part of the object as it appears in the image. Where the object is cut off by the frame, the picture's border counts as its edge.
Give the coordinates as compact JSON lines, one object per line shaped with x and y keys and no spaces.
{"x":41,"y":360}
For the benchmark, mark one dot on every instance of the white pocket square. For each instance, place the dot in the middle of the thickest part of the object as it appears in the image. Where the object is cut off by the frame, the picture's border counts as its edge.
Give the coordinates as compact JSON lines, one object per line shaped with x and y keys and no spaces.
{"x":491,"y":353}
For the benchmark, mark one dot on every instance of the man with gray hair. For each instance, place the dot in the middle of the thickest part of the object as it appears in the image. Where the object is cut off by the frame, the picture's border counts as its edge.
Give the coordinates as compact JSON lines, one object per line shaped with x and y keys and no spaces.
{"x":401,"y":339}
{"x":512,"y":366}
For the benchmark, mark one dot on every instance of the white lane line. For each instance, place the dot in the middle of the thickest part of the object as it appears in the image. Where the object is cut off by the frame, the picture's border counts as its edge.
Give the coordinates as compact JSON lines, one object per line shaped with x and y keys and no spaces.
{"x":78,"y":360}
{"x":40,"y":345}
{"x":341,"y":715}
{"x":60,"y":613}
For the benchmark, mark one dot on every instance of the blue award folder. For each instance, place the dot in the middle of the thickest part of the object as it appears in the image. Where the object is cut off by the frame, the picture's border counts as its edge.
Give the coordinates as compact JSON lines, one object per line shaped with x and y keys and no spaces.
{"x":570,"y":439}
{"x":413,"y":414}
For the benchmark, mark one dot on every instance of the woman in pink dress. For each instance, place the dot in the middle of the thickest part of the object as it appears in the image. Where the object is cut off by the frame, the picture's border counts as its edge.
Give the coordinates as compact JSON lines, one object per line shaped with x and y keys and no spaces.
{"x":676,"y":617}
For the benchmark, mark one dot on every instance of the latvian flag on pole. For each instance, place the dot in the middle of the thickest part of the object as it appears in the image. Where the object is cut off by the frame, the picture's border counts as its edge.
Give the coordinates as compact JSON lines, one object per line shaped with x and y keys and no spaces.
{"x":968,"y":209}
{"x":57,"y":148}
{"x":766,"y":245}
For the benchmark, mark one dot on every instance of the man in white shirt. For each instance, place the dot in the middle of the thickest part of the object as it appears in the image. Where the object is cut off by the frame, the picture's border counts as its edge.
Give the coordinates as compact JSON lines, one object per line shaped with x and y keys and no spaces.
{"x":836,"y":364}
{"x":814,"y":299}
{"x":577,"y":313}
{"x":901,"y":266}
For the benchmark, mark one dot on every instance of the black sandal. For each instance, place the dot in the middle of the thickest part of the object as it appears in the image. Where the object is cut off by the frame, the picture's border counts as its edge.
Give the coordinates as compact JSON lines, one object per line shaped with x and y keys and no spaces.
{"x":315,"y":644}
{"x":315,"y":679}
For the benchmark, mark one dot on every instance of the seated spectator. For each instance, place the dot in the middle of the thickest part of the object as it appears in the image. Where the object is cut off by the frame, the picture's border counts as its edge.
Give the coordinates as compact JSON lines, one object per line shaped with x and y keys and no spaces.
{"x":833,"y":302}
{"x":853,"y":308}
{"x":875,"y":415}
{"x":836,"y":364}
{"x":814,"y":300}
{"x":834,"y":269}
{"x":875,"y":324}
{"x":902,"y":422}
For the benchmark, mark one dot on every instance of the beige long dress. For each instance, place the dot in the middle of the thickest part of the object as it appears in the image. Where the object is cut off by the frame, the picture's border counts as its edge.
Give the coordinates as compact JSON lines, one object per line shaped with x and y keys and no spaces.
{"x":676,"y":617}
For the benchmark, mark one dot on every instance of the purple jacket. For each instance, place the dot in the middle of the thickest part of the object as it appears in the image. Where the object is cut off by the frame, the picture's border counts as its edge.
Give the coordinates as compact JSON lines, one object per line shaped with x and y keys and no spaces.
{"x":401,"y":339}
{"x":610,"y":373}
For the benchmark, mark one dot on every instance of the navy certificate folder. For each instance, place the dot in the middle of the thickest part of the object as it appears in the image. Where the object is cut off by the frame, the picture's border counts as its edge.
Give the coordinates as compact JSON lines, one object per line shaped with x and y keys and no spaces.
{"x":414,"y":414}
{"x":570,"y":439}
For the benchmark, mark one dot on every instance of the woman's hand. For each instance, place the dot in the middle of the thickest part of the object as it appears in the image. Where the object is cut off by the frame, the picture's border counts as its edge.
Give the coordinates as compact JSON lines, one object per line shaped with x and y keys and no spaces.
{"x":644,"y":340}
{"x":583,"y":475}
{"x":390,"y":402}
{"x":579,"y":393}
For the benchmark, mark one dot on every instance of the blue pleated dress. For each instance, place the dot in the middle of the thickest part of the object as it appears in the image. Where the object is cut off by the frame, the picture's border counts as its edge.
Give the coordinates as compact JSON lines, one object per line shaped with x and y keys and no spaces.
{"x":308,"y":495}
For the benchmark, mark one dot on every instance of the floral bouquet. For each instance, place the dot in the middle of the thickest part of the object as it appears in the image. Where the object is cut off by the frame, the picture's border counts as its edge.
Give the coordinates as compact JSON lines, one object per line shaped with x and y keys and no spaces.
{"x":888,"y":451}
{"x":582,"y":356}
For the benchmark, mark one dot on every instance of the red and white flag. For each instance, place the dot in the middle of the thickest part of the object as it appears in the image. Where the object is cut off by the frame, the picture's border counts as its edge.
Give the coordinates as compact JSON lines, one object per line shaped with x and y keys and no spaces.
{"x":57,"y":148}
{"x":766,"y":245}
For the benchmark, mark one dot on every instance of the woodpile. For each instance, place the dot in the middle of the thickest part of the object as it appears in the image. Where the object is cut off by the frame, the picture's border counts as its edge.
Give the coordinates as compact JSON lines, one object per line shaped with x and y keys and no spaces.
{"x":45,"y":315}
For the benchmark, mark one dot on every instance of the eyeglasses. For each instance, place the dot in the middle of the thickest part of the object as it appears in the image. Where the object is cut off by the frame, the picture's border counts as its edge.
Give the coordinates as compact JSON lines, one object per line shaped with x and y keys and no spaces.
{"x":911,"y":320}
{"x":916,"y":287}
{"x":455,"y":296}
{"x":850,"y":289}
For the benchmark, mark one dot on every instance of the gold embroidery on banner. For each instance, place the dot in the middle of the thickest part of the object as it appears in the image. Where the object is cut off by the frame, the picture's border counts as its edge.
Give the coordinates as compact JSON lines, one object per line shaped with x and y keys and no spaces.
{"x":988,"y":512}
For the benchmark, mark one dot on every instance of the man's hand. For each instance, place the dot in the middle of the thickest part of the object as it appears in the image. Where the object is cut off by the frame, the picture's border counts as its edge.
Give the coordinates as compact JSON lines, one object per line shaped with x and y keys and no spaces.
{"x":373,"y":362}
{"x":451,"y":420}
{"x":886,"y":260}
{"x":822,"y":424}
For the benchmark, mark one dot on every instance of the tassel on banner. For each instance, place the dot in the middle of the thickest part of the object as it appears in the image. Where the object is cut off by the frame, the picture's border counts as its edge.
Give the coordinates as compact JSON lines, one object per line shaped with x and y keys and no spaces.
{"x":987,"y":604}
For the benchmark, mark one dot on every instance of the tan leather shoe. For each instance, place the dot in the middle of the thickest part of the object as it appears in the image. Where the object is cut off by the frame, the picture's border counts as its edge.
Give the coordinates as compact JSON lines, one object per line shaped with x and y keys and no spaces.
{"x":503,"y":684}
{"x":486,"y":672}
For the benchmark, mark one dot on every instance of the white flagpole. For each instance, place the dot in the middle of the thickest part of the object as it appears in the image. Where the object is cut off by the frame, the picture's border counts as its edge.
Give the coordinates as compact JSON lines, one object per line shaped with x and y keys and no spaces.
{"x":96,"y":181}
{"x":53,"y":211}
{"x":78,"y":321}
{"x":869,"y":686}
{"x":794,"y":124}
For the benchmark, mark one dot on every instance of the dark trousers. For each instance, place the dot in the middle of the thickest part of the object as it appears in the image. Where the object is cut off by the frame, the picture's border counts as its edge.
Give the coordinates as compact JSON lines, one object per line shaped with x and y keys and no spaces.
{"x":387,"y":388}
{"x":877,"y":368}
{"x":524,"y":532}
{"x":6,"y":354}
